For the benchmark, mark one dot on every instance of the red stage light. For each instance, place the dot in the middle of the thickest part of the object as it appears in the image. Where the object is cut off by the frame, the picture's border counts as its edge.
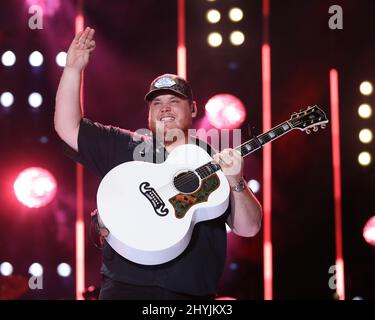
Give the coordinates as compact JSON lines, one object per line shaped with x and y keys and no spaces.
{"x":225,"y":111}
{"x":35,"y":187}
{"x":369,"y":231}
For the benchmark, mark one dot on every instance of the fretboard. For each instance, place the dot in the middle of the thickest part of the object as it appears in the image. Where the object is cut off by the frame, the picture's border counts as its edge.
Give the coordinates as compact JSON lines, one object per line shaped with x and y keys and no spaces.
{"x":257,"y":142}
{"x":248,"y":147}
{"x":208,"y":169}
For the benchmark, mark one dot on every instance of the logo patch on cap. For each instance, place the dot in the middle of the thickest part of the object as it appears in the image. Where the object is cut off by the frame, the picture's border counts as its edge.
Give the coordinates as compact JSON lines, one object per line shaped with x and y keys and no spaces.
{"x":164,"y":83}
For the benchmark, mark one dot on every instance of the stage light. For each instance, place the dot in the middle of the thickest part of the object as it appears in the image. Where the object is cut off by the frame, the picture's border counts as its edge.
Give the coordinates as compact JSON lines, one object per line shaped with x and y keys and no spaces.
{"x":235,"y":14}
{"x":61,"y":59}
{"x":91,"y":293}
{"x":36,"y":269}
{"x":36,"y":59}
{"x":225,"y":298}
{"x":8,"y":58}
{"x":369,"y":231}
{"x":365,"y":135}
{"x":6,"y":99}
{"x":366,"y":88}
{"x":233,"y":65}
{"x":49,"y":7}
{"x":213,"y":16}
{"x":64,"y":270}
{"x":6,"y":269}
{"x":43,"y":139}
{"x":364,"y":158}
{"x":233,"y":266}
{"x":35,"y":187}
{"x":237,"y":38}
{"x":35,"y":100}
{"x":254,"y":185}
{"x":225,"y":111}
{"x":215,"y":39}
{"x":364,"y":111}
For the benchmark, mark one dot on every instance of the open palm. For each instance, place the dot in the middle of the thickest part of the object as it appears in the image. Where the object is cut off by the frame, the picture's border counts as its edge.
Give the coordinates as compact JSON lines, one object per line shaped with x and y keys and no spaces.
{"x":80,"y":49}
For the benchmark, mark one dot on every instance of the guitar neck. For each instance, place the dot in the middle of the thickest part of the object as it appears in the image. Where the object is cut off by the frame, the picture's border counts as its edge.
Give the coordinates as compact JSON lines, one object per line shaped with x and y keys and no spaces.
{"x":256,"y":143}
{"x":248,"y":147}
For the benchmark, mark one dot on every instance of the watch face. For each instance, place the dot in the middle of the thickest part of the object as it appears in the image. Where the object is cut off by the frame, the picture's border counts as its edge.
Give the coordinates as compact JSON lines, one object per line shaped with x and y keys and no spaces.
{"x":240,"y":186}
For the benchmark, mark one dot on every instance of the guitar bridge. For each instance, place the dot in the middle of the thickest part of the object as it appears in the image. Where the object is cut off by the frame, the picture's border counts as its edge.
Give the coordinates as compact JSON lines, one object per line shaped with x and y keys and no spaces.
{"x":155,"y":200}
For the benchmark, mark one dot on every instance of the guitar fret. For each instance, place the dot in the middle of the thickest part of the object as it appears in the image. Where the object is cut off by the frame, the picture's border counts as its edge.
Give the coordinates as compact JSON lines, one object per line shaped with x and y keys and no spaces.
{"x":248,"y":147}
{"x":207,"y":169}
{"x":257,"y":142}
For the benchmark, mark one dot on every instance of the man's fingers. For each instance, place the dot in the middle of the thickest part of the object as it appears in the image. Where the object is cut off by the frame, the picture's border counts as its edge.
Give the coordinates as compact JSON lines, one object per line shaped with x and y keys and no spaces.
{"x":78,"y":35}
{"x":92,"y":46}
{"x":84,"y":35}
{"x":217,"y":158}
{"x":227,"y":161}
{"x":90,"y":35}
{"x":221,"y":159}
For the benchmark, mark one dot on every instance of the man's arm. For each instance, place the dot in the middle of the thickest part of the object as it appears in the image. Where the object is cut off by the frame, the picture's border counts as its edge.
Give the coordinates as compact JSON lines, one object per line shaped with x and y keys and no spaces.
{"x":246,"y":211}
{"x":68,"y":113}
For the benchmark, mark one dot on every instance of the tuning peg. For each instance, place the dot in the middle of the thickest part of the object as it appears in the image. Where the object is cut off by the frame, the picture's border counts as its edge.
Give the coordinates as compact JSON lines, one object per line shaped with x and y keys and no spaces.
{"x":323,"y":126}
{"x":308,"y":131}
{"x":316,"y":128}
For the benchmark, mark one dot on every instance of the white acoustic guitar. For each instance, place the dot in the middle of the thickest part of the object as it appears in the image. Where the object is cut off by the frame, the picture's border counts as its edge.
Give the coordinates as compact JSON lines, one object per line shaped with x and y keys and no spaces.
{"x":151,"y":209}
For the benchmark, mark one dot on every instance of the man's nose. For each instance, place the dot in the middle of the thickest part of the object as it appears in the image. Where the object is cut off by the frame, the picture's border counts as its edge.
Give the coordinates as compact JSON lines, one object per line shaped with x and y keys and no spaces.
{"x":165,"y":107}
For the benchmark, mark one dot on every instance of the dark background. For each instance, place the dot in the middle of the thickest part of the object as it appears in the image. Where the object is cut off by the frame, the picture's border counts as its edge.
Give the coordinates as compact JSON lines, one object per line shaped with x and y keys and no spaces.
{"x":136,"y":41}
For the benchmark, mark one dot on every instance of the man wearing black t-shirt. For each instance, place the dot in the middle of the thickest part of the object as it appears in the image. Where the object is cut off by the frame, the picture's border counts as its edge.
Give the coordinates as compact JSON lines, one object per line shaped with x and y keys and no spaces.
{"x":195,"y":273}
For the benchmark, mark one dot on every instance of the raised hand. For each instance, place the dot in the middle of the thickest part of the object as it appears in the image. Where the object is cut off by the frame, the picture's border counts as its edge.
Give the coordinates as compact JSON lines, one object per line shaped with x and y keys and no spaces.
{"x":80,"y":49}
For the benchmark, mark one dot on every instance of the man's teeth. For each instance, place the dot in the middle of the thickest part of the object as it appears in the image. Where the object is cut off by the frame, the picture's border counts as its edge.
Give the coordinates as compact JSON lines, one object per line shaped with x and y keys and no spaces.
{"x":165,"y":119}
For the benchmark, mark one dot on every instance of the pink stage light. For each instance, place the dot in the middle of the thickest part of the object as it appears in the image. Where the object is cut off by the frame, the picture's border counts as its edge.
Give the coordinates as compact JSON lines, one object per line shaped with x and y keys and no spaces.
{"x":369,"y":231}
{"x":225,"y":111}
{"x":225,"y":298}
{"x":49,"y":7}
{"x":35,"y":187}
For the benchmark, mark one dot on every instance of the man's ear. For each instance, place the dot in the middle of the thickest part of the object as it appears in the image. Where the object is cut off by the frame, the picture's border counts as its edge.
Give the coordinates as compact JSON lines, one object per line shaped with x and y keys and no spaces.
{"x":194,"y":109}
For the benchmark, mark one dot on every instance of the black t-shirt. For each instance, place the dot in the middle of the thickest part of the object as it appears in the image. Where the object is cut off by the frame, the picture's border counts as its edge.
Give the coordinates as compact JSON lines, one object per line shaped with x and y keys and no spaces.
{"x":198,"y":269}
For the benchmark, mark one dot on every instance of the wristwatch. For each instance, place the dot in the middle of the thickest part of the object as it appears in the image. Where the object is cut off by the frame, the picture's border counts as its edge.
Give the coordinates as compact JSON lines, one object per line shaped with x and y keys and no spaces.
{"x":239,"y":186}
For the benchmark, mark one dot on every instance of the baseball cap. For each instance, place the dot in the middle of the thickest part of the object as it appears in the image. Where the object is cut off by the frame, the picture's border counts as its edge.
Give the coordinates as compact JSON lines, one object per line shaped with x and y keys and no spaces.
{"x":169,"y":83}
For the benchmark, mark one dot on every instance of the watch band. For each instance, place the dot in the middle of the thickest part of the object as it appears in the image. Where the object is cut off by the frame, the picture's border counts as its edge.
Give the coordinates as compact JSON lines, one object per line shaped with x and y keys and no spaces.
{"x":240,"y":186}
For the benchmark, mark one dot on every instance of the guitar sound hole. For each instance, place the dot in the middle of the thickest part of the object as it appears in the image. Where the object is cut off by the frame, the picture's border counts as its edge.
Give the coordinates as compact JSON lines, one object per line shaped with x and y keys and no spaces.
{"x":186,"y":182}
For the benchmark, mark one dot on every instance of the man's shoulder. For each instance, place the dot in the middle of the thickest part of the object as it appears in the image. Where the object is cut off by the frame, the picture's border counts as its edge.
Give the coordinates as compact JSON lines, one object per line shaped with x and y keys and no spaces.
{"x":137,"y":136}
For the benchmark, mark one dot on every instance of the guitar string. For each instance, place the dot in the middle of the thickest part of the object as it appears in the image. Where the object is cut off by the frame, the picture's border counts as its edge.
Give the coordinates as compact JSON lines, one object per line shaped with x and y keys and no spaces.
{"x":243,"y":151}
{"x":190,"y":178}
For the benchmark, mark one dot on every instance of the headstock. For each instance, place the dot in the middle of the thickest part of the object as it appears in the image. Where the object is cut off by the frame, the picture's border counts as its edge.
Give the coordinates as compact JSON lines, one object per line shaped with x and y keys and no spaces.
{"x":311,"y":118}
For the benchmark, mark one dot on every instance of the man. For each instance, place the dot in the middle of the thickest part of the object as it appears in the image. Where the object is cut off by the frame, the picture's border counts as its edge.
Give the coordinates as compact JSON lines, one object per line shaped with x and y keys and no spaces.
{"x":196,"y":272}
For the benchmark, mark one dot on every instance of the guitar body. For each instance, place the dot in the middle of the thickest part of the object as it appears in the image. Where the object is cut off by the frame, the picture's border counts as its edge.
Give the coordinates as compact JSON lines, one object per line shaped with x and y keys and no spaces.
{"x":151,"y":209}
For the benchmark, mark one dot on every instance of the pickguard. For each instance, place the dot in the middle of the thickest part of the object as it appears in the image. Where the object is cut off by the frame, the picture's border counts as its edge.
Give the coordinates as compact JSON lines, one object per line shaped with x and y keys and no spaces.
{"x":183,"y":202}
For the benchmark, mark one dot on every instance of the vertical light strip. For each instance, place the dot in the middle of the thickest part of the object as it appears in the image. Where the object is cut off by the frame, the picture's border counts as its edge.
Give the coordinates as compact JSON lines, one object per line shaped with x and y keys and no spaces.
{"x":335,"y":119}
{"x":267,"y":157}
{"x":181,"y":41}
{"x":80,"y":222}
